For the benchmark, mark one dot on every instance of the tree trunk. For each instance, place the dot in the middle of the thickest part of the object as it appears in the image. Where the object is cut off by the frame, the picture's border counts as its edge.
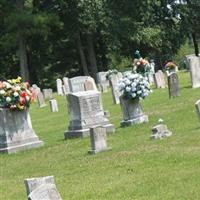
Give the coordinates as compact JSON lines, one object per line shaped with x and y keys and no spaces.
{"x":22,"y":46}
{"x":82,"y":56}
{"x":196,"y":48}
{"x":23,"y":59}
{"x":92,"y":56}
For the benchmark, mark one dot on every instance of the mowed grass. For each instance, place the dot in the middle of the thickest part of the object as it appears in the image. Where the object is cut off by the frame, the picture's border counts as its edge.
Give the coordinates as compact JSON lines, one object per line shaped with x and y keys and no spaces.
{"x":136,"y":168}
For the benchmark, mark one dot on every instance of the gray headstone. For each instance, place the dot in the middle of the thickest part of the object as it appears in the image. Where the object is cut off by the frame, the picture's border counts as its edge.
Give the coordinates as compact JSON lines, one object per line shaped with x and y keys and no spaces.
{"x":59,"y":86}
{"x":159,"y":78}
{"x":36,"y":89}
{"x":98,"y":139}
{"x":160,"y":131}
{"x":197,"y":106}
{"x":42,"y":188}
{"x":66,"y":85}
{"x":173,"y":85}
{"x":115,"y":90}
{"x":40,"y":100}
{"x":132,"y":112}
{"x":16,"y":132}
{"x":90,"y":84}
{"x":48,"y":93}
{"x":102,"y":81}
{"x":76,"y":84}
{"x":85,"y":109}
{"x":53,"y":105}
{"x":194,"y":65}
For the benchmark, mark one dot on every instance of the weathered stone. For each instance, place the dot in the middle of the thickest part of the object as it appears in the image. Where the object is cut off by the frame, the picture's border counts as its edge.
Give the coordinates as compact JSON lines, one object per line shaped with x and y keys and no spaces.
{"x":132,"y":112}
{"x":90,"y":84}
{"x":40,"y":100}
{"x":53,"y":105}
{"x":66,"y":85}
{"x":42,"y":188}
{"x":48,"y":93}
{"x":16,"y":132}
{"x":36,"y":89}
{"x":194,"y":65}
{"x":98,"y":139}
{"x":173,"y":85}
{"x":102,"y":81}
{"x":115,"y":90}
{"x":160,"y":131}
{"x":197,"y":106}
{"x":76,"y":84}
{"x":59,"y":86}
{"x":159,"y":79}
{"x":119,"y":75}
{"x":86,"y":111}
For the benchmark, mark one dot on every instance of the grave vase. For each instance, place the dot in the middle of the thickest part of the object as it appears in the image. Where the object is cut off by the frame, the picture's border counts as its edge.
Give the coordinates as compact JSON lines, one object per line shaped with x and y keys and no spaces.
{"x":132,"y":111}
{"x":16,"y":132}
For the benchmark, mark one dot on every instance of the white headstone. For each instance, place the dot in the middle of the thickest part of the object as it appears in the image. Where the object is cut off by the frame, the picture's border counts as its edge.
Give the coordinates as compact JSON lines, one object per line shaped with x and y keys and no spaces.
{"x":197,"y":106}
{"x":194,"y":65}
{"x":102,"y":81}
{"x":159,"y":78}
{"x":53,"y":105}
{"x":76,"y":84}
{"x":115,"y":90}
{"x":66,"y":85}
{"x":59,"y":86}
{"x":40,"y":100}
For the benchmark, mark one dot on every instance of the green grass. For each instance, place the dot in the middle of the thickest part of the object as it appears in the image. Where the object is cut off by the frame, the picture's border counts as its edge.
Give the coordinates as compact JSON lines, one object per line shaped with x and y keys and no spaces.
{"x":136,"y":168}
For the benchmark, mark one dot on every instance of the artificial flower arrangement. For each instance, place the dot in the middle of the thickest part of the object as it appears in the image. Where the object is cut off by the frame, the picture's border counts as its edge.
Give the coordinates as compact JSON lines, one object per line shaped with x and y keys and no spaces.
{"x":170,"y":66}
{"x":141,"y":65}
{"x":15,"y":94}
{"x":134,"y":85}
{"x":110,"y":73}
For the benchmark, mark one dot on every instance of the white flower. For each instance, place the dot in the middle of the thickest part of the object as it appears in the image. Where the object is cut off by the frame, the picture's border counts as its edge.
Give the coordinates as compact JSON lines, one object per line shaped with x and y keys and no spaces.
{"x":8,"y":99}
{"x":160,"y":120}
{"x":133,"y":95}
{"x":121,"y":85}
{"x":133,"y":84}
{"x":27,"y":98}
{"x":8,"y":85}
{"x":133,"y":89}
{"x":2,"y":92}
{"x":18,"y":88}
{"x":128,"y":89}
{"x":16,"y":94}
{"x":139,"y":92}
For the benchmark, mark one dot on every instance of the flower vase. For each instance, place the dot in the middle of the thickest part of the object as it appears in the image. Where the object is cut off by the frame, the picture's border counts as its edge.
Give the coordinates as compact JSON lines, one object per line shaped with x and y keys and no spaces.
{"x":132,"y":111}
{"x":16,"y":132}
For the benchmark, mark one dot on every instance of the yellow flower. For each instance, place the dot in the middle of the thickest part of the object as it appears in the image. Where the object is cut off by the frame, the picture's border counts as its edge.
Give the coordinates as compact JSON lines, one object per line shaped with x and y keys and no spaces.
{"x":19,"y":79}
{"x":20,"y":107}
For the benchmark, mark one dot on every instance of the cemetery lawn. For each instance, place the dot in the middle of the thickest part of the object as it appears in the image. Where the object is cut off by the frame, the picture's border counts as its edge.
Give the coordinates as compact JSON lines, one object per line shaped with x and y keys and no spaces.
{"x":136,"y":167}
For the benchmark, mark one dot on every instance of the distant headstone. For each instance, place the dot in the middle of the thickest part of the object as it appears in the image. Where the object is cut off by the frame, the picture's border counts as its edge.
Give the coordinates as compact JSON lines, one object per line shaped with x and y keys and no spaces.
{"x":103,"y":88}
{"x":48,"y":93}
{"x":85,"y":109}
{"x":40,"y":100}
{"x":159,"y":78}
{"x":160,"y":131}
{"x":102,"y":81}
{"x":173,"y":85}
{"x":98,"y":139}
{"x":194,"y":66}
{"x":64,"y":90}
{"x":90,"y":84}
{"x":42,"y":188}
{"x":53,"y":105}
{"x":36,"y":89}
{"x":66,"y":85}
{"x":76,"y":84}
{"x":115,"y":90}
{"x":197,"y":106}
{"x":16,"y":132}
{"x":59,"y":86}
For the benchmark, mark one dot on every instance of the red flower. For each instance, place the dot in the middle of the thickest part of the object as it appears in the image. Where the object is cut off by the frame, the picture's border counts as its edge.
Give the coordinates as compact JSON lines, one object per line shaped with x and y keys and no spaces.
{"x":23,"y":94}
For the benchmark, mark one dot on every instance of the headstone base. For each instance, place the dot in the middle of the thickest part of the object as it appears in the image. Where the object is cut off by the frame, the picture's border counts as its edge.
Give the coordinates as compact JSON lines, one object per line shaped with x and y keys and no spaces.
{"x":29,"y":145}
{"x":138,"y":120}
{"x":98,"y":151}
{"x":86,"y":132}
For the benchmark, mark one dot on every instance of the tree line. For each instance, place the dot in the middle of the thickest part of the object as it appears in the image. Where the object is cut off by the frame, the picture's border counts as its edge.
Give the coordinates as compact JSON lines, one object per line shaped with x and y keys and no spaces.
{"x":43,"y":40}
